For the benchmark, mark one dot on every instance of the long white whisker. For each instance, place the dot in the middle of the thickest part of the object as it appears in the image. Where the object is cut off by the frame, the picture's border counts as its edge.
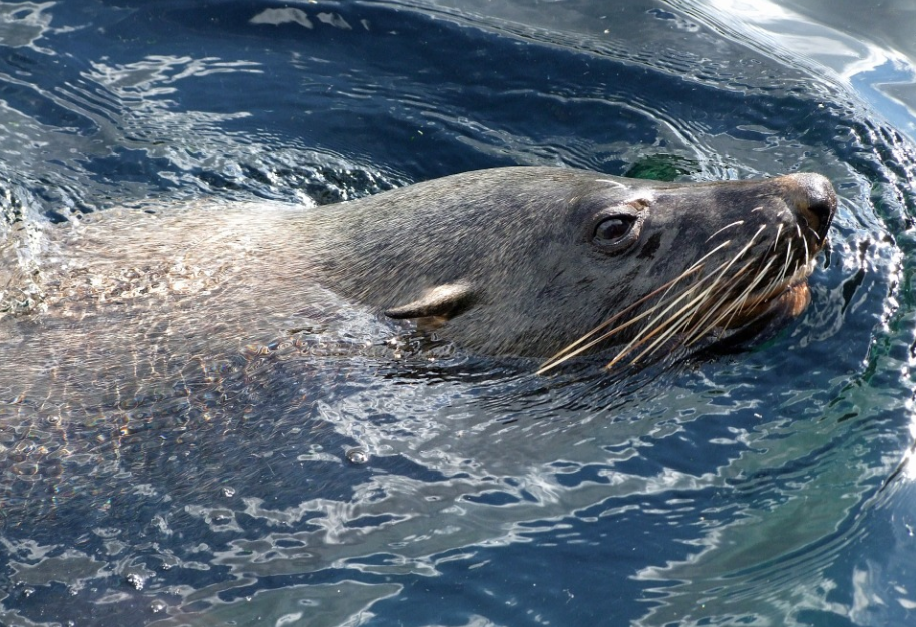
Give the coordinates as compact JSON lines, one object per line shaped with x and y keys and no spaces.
{"x":727,"y":226}
{"x":785,"y":267}
{"x":661,"y":340}
{"x":681,"y":317}
{"x":694,"y":310}
{"x":734,"y":307}
{"x":723,"y":303}
{"x":732,"y":280}
{"x":568,"y":352}
{"x":717,"y":273}
{"x":577,"y":347}
{"x":666,"y":328}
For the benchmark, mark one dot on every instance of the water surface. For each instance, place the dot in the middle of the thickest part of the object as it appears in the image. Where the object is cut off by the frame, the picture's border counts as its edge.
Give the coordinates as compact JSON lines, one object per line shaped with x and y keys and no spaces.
{"x":298,"y":487}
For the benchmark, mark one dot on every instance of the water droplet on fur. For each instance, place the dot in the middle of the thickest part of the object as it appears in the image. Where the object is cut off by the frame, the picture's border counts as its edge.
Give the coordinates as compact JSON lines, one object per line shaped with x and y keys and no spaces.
{"x":228,"y":492}
{"x":357,"y":456}
{"x":158,"y":605}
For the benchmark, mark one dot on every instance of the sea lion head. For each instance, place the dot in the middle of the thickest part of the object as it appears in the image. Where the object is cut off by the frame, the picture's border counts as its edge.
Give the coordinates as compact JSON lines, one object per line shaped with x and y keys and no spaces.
{"x":532,"y":261}
{"x":707,"y":261}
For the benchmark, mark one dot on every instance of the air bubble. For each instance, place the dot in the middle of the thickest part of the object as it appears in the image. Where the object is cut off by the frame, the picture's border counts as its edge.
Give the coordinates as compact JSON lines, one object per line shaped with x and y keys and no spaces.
{"x":357,"y":456}
{"x":136,"y":581}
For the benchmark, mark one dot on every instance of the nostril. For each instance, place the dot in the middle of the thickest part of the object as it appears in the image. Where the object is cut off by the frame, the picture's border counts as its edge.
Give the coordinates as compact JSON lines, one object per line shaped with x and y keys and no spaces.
{"x":819,"y":204}
{"x":822,"y":210}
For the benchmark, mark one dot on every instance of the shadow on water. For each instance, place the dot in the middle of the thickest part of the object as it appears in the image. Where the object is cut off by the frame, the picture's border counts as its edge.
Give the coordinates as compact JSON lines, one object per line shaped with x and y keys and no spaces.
{"x":293,"y":483}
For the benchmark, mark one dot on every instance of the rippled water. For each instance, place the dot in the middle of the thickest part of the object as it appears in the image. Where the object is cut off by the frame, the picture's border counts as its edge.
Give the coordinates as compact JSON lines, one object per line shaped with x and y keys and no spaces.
{"x":300,"y":486}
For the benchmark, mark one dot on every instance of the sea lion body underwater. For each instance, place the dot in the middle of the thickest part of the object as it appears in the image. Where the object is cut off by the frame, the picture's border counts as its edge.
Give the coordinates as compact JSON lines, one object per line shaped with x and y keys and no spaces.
{"x":517,"y":261}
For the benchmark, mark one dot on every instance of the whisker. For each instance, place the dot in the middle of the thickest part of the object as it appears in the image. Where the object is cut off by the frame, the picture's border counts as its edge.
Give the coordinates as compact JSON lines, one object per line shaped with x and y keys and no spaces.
{"x":723,"y":304}
{"x":718,"y":273}
{"x":660,"y":341}
{"x":667,"y":328}
{"x":742,"y":298}
{"x":568,"y":352}
{"x":694,"y":310}
{"x":785,"y":267}
{"x":734,"y":307}
{"x":728,"y":226}
{"x":682,"y":316}
{"x":571,"y":350}
{"x":721,"y":307}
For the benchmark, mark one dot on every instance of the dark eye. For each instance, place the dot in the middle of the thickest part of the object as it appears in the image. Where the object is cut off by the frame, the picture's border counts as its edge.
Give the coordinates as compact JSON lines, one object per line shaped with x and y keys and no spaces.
{"x":611,"y":230}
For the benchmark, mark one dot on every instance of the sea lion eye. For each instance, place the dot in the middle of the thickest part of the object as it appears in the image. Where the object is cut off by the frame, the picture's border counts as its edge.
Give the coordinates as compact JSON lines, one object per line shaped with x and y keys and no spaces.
{"x":612,"y":229}
{"x":615,"y":233}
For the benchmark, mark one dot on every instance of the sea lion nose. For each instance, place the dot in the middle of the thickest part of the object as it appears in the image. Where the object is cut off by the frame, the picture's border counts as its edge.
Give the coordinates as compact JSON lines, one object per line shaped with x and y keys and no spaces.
{"x":815,"y":201}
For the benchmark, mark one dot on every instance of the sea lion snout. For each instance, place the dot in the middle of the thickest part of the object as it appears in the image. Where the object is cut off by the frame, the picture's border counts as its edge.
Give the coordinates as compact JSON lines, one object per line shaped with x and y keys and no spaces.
{"x":814,"y":200}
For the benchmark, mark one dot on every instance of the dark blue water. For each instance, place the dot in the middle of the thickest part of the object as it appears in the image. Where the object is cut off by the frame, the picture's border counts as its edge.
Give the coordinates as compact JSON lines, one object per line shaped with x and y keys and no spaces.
{"x":771,"y":487}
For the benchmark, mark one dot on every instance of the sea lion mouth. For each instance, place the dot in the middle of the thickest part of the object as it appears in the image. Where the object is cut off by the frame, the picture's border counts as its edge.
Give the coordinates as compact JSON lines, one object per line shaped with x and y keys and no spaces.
{"x":794,"y":300}
{"x":787,"y":299}
{"x":757,"y":322}
{"x":790,"y":303}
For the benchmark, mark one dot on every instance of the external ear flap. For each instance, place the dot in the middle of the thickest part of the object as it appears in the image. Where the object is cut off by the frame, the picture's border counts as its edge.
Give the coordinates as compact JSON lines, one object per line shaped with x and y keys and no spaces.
{"x":446,"y":300}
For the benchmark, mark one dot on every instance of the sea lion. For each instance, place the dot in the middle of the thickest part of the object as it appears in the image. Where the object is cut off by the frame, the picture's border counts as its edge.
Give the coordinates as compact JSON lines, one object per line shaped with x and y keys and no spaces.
{"x":522,"y":261}
{"x":182,"y":320}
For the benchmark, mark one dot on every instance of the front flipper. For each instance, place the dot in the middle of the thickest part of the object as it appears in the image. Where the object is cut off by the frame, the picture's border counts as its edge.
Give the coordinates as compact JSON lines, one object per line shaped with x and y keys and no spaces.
{"x":447,"y":301}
